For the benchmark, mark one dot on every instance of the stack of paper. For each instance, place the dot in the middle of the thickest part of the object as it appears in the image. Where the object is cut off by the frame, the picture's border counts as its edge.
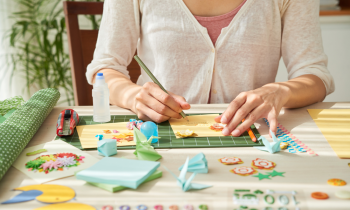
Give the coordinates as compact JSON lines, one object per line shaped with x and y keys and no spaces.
{"x":198,"y":164}
{"x":119,"y":171}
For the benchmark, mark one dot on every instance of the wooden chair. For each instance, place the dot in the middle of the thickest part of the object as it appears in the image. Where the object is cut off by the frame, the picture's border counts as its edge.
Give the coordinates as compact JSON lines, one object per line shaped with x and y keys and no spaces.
{"x":81,"y":48}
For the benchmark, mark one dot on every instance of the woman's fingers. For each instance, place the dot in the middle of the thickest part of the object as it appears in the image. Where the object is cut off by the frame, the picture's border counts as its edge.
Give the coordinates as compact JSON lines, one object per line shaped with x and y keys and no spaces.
{"x":144,"y":113}
{"x":157,"y":106}
{"x":241,"y":113}
{"x":232,"y":108}
{"x":164,"y":98}
{"x":272,"y":118}
{"x":181,"y":100}
{"x":251,"y":119}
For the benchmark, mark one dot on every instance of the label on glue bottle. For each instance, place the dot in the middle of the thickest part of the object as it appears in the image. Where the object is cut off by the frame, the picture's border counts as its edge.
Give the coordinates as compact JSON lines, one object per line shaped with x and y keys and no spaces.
{"x":100,"y":94}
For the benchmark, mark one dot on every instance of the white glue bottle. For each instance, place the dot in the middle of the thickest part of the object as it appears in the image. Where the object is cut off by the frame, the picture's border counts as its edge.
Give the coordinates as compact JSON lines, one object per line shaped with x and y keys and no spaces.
{"x":100,"y":94}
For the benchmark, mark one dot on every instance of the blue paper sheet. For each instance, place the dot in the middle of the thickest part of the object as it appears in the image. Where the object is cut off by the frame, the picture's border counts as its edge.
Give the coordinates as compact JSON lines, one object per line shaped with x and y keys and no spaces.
{"x":197,"y":164}
{"x":119,"y":171}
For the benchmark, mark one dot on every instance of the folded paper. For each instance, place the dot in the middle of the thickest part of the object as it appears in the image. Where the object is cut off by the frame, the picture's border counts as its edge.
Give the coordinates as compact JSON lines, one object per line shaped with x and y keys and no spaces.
{"x":115,"y":188}
{"x":186,"y":184}
{"x":107,"y":147}
{"x":119,"y":171}
{"x":144,"y":150}
{"x":271,"y":147}
{"x":198,"y":164}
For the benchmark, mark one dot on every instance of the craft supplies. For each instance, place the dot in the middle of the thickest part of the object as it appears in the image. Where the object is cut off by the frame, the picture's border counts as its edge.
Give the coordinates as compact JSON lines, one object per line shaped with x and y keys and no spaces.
{"x":36,"y":152}
{"x":343,"y":194}
{"x":262,"y":176}
{"x":99,"y":136}
{"x":336,"y":182}
{"x":66,"y":206}
{"x":66,"y":122}
{"x":197,"y":164}
{"x":284,"y":145}
{"x":18,"y":129}
{"x":188,"y":207}
{"x":115,"y":188}
{"x":107,"y":131}
{"x":185,"y":133}
{"x":100,"y":94}
{"x":144,"y":150}
{"x":154,"y":79}
{"x":319,"y":195}
{"x":269,"y":199}
{"x":186,"y":184}
{"x":107,"y":207}
{"x":250,"y":132}
{"x":124,"y":207}
{"x":49,"y":193}
{"x":107,"y":147}
{"x":217,"y":126}
{"x":283,"y":200}
{"x":203,"y":207}
{"x":173,"y":207}
{"x":119,"y":171}
{"x":259,"y":163}
{"x":158,"y":207}
{"x":134,"y":123}
{"x":335,"y":127}
{"x":150,"y":129}
{"x":244,"y":171}
{"x":230,"y":160}
{"x":115,"y":131}
{"x":141,"y":207}
{"x":275,"y":173}
{"x":271,"y":147}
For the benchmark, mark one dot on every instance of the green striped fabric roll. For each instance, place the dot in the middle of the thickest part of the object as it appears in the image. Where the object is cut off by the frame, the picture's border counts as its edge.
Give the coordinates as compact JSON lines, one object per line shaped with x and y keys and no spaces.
{"x":20,"y":127}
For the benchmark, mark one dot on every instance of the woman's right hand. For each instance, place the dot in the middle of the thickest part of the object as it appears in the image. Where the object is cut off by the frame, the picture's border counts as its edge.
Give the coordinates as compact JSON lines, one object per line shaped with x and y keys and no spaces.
{"x":153,"y":104}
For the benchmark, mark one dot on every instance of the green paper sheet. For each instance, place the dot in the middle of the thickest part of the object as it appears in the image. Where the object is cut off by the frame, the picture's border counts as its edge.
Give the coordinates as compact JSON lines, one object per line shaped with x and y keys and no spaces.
{"x":115,"y":188}
{"x":144,"y":150}
{"x":18,"y":129}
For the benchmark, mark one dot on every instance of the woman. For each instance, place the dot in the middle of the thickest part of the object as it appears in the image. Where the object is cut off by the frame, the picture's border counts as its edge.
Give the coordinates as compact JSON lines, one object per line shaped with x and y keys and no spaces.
{"x":205,"y":51}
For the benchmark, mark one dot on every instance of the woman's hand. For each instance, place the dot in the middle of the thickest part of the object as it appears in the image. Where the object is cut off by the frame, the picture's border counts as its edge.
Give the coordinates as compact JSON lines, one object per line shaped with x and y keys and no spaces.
{"x":152,"y":103}
{"x":266,"y":102}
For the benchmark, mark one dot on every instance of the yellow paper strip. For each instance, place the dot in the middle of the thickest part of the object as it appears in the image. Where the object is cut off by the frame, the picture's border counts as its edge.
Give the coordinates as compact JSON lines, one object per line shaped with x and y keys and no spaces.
{"x":198,"y":123}
{"x":335,"y":127}
{"x":87,"y":134}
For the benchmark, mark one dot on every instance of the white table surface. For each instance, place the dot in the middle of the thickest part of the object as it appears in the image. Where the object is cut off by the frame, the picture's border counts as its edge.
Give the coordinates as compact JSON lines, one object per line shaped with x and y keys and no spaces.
{"x":304,"y":174}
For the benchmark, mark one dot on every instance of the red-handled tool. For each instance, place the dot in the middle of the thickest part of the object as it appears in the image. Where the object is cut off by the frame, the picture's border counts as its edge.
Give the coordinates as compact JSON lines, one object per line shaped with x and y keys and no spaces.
{"x":67,"y":120}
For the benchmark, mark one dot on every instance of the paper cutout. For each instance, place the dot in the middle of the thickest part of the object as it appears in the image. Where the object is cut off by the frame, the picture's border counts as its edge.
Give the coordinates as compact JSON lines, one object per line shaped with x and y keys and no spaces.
{"x":49,"y":163}
{"x":336,"y":182}
{"x":29,"y":165}
{"x":258,"y":192}
{"x":107,"y":147}
{"x":203,"y":207}
{"x":242,"y":190}
{"x":244,"y":171}
{"x":119,"y":171}
{"x":24,"y":196}
{"x":115,"y":131}
{"x":262,"y":176}
{"x":46,"y":193}
{"x":217,"y":126}
{"x":67,"y":206}
{"x":319,"y":195}
{"x":87,"y":134}
{"x":134,"y":123}
{"x":230,"y":160}
{"x":107,"y":207}
{"x":271,"y":147}
{"x":335,"y":127}
{"x":107,"y":131}
{"x":186,"y":184}
{"x":116,"y":188}
{"x":275,"y":173}
{"x":198,"y":123}
{"x":123,"y":135}
{"x":197,"y":164}
{"x":284,"y":145}
{"x":263,"y":164}
{"x":144,"y":150}
{"x":246,"y":199}
{"x":99,"y":137}
{"x":185,"y":133}
{"x":36,"y":152}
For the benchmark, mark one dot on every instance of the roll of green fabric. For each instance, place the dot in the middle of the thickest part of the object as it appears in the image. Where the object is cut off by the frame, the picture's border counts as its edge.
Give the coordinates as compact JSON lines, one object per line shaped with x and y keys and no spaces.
{"x":20,"y":127}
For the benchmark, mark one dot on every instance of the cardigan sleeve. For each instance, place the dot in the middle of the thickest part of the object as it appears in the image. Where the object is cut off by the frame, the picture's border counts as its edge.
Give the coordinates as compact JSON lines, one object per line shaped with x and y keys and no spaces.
{"x":117,"y":37}
{"x":302,"y":48}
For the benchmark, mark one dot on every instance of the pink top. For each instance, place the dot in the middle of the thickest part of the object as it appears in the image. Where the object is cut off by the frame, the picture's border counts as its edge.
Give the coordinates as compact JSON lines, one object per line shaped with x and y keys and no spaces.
{"x":216,"y":23}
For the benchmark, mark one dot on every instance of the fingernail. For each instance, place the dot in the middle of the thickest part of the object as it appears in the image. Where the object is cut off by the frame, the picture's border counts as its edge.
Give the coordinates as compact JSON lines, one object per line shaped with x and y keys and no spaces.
{"x":224,"y":120}
{"x":236,"y":133}
{"x":225,"y":132}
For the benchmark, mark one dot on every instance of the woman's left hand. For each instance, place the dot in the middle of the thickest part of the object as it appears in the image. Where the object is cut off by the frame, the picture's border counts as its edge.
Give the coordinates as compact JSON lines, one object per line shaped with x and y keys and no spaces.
{"x":264,"y":102}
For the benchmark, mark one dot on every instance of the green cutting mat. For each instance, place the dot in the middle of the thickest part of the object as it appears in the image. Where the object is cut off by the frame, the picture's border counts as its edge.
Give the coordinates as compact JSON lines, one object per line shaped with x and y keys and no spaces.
{"x":168,"y":139}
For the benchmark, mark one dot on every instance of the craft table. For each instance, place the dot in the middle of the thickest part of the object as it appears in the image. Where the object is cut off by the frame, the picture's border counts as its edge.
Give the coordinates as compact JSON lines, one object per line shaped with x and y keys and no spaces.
{"x":304,"y":173}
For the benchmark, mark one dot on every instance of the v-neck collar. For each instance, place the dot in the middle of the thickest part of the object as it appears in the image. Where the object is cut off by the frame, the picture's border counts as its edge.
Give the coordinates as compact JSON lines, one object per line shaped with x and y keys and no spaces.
{"x":204,"y":30}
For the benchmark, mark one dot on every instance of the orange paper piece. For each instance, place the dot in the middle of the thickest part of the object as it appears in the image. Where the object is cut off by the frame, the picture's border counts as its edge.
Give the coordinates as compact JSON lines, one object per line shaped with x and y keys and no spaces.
{"x":244,"y":171}
{"x":230,"y":160}
{"x":107,"y":131}
{"x":263,"y":164}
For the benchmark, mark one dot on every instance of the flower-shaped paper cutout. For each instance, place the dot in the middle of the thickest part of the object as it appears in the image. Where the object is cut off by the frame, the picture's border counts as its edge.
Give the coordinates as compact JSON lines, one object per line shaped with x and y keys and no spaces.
{"x":66,"y":155}
{"x":50,"y":165}
{"x":230,"y":160}
{"x":35,"y":164}
{"x":185,"y":133}
{"x":244,"y":171}
{"x":284,"y":145}
{"x":67,"y":161}
{"x":107,"y":131}
{"x":48,"y":157}
{"x":263,"y":164}
{"x":217,"y":126}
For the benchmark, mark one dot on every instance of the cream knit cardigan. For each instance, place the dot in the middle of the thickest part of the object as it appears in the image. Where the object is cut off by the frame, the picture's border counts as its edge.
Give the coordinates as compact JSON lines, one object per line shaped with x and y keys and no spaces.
{"x":179,"y":52}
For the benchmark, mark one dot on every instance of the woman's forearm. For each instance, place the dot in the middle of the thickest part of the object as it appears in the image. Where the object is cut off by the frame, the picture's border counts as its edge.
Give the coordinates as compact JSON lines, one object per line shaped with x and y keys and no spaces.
{"x":302,"y":91}
{"x":122,"y":90}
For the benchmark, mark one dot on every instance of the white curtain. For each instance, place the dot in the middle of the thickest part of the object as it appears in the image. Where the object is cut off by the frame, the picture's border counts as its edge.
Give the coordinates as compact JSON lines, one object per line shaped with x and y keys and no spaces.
{"x":17,"y":85}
